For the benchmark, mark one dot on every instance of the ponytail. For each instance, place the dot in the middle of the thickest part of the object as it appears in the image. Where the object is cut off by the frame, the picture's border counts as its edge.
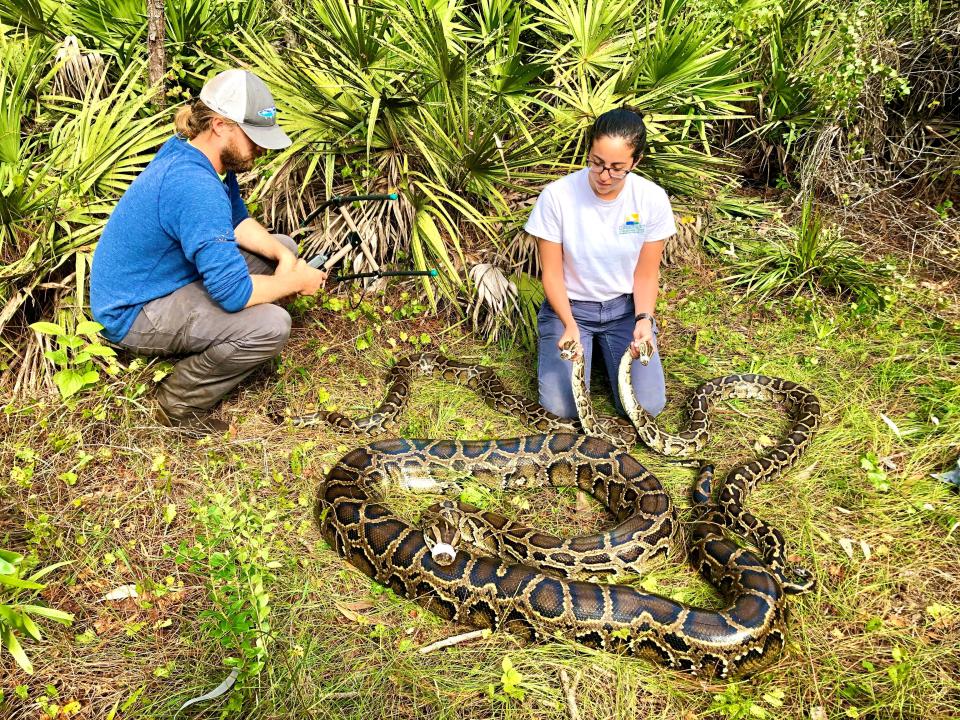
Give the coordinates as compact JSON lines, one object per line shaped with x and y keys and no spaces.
{"x":193,"y":119}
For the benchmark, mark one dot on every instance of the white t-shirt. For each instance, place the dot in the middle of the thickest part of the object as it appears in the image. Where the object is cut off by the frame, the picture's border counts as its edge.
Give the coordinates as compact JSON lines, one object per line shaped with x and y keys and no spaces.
{"x":601,"y":238}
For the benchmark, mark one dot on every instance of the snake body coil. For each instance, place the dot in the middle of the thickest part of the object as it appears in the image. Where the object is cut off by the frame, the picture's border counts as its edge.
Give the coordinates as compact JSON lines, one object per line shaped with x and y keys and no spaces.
{"x":528,"y":589}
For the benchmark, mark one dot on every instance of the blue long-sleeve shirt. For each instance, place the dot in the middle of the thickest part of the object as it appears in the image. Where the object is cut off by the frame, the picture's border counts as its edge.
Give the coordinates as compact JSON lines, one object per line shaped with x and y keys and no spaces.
{"x":174,"y":225}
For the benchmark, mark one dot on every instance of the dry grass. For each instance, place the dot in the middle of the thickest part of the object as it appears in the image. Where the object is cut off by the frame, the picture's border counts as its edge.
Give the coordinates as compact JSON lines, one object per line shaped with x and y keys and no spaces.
{"x":878,"y":638}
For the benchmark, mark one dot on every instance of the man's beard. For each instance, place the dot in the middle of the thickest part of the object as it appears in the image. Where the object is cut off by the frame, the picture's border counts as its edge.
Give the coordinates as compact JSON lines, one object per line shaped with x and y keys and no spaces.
{"x":232,"y":160}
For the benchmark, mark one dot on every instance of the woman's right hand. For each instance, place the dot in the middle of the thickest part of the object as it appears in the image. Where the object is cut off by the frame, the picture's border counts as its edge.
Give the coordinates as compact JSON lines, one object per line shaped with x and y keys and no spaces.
{"x":571,"y":333}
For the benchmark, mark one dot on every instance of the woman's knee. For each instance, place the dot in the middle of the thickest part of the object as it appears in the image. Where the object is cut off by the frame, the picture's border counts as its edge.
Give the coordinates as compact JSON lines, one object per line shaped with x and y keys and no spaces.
{"x":554,"y":381}
{"x":558,"y":400}
{"x":649,"y":385}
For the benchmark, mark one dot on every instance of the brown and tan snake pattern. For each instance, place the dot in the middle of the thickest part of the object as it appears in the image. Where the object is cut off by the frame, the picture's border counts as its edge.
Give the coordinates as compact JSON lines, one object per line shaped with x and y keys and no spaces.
{"x":530,"y":587}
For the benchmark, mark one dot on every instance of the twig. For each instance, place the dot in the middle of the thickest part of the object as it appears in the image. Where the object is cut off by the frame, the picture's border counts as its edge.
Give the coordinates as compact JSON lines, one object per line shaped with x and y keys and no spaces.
{"x":950,"y":359}
{"x":569,"y":692}
{"x":455,"y":640}
{"x":736,"y":410}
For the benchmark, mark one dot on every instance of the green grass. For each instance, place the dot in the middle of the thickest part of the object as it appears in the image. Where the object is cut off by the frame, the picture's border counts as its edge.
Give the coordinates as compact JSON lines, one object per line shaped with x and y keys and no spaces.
{"x":878,"y":638}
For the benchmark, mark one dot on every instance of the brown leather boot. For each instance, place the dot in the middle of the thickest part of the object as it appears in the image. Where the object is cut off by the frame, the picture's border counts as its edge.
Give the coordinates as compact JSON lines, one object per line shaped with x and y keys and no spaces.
{"x":193,"y":424}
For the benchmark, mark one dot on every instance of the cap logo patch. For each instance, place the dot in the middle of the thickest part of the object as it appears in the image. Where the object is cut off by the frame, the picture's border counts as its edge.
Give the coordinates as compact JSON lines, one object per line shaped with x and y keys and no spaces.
{"x":269,"y":113}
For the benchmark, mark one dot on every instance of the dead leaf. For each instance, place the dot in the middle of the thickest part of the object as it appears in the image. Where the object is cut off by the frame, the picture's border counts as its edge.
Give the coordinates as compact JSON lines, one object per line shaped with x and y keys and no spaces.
{"x":847,"y":545}
{"x":763,"y":442}
{"x":351,"y":615}
{"x":359,"y":605}
{"x":122,"y":593}
{"x":583,"y":504}
{"x":106,"y":626}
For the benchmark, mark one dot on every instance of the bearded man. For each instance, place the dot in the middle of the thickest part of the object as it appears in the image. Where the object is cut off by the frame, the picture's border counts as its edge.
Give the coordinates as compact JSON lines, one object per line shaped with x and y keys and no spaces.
{"x":182,"y":269}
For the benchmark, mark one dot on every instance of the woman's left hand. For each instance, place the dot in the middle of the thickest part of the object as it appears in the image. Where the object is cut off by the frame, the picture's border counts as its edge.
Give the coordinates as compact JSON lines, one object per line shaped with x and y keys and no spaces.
{"x":642,"y":338}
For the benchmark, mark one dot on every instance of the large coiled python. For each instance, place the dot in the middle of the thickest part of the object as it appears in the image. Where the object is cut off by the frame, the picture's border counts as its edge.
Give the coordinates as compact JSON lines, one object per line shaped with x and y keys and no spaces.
{"x":527,"y":589}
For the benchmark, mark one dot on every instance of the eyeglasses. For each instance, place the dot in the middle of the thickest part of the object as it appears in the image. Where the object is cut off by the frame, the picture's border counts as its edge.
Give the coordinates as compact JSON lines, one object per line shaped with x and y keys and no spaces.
{"x":598,"y":168}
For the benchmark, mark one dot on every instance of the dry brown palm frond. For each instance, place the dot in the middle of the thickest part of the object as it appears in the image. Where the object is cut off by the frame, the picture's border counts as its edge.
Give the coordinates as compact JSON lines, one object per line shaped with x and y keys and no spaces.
{"x":495,"y":302}
{"x":383,"y":227}
{"x":78,"y":72}
{"x":882,"y":200}
{"x":684,"y":247}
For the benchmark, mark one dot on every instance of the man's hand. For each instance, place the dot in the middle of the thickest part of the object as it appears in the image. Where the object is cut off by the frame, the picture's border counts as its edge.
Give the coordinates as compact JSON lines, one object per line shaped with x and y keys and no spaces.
{"x":286,"y":262}
{"x":289,"y":279}
{"x":308,"y":279}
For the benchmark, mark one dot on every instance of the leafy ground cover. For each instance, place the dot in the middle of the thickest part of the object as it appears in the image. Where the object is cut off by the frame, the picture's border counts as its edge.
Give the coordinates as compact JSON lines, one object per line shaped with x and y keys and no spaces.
{"x":215,"y":537}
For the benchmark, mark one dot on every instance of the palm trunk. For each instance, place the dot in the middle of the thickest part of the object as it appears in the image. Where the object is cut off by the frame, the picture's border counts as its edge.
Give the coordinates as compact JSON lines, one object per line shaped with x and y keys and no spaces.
{"x":156,"y":31}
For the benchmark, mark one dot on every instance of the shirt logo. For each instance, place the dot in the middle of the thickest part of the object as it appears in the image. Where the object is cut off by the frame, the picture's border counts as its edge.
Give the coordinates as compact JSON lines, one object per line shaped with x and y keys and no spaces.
{"x":269,"y":113}
{"x":631,"y":225}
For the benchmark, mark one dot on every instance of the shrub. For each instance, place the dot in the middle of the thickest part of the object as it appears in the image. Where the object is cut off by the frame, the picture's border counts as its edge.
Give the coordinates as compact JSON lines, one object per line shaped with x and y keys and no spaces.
{"x":809,"y":259}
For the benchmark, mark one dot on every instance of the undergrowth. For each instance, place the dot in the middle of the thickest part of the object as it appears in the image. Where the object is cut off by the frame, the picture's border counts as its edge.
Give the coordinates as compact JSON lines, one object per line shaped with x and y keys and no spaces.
{"x":212,"y":547}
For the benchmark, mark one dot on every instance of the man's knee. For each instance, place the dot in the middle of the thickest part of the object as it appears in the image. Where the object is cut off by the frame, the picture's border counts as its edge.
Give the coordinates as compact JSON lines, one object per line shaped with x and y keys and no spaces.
{"x":277,"y":325}
{"x":288,"y":242}
{"x":269,"y":329}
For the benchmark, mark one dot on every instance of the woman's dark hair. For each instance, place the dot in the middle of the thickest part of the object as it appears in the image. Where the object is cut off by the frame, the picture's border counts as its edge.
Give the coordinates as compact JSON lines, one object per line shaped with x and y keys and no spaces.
{"x":623,"y":123}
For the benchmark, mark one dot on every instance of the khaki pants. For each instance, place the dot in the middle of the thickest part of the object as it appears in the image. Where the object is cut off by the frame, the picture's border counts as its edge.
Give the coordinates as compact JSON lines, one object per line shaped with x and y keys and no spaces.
{"x":221,"y":348}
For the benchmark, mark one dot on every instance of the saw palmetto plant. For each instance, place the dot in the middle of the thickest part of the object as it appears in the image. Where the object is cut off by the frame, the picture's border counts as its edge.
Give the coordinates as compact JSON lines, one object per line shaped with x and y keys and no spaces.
{"x":467,"y":111}
{"x":81,"y":156}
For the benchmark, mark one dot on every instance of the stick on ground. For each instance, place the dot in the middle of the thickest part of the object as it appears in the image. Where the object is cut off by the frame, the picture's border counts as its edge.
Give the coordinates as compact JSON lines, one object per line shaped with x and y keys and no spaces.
{"x":455,"y":640}
{"x":569,"y":691}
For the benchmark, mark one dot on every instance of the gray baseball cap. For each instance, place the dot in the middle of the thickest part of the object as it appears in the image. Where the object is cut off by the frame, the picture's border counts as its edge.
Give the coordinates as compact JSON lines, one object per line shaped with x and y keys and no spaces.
{"x":241,"y":96}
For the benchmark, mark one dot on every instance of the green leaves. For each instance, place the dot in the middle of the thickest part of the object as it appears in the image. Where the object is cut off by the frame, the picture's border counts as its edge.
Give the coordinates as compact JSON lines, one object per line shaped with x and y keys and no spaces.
{"x":875,"y":472}
{"x":74,"y":355}
{"x":47,"y":328}
{"x":17,"y":616}
{"x":234,"y":549}
{"x":733,"y":704}
{"x":71,"y":381}
{"x":511,"y":681}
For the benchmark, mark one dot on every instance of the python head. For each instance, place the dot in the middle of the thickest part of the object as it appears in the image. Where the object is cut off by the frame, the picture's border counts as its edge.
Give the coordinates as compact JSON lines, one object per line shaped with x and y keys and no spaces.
{"x":441,"y":531}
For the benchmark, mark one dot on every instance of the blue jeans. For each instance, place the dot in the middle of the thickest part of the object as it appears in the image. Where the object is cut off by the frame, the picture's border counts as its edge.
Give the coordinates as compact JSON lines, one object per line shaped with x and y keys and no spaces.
{"x":611,"y":323}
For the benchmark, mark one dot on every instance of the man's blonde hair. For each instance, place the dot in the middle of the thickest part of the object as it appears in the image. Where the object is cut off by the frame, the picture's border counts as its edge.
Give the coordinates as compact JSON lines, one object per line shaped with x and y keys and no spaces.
{"x":193,"y":119}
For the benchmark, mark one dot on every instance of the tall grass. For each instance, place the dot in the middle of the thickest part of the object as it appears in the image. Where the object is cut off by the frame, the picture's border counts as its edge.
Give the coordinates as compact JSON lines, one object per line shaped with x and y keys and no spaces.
{"x":874,"y":639}
{"x":810,"y":259}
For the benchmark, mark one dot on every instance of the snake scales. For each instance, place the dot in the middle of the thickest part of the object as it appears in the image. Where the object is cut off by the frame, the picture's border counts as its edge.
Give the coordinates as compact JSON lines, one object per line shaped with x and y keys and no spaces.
{"x":529,"y":587}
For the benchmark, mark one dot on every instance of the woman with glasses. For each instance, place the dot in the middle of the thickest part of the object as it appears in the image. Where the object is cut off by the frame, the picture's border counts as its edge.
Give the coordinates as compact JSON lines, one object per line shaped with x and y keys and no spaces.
{"x":600,"y":233}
